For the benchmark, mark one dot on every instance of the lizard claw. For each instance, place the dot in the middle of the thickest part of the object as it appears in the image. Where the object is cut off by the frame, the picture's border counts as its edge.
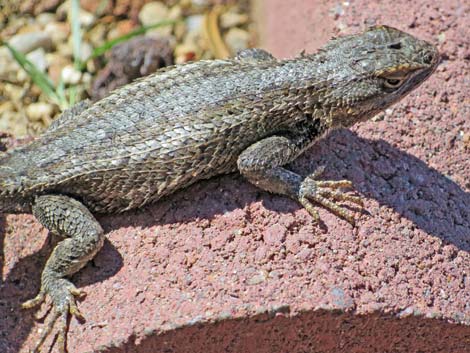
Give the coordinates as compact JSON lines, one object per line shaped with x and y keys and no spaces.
{"x":63,"y":294}
{"x":325,"y":193}
{"x":36,"y":301}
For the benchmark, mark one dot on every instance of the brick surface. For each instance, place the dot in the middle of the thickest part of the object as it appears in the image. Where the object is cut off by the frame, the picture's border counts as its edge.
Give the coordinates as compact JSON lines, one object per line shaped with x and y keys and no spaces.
{"x":224,"y":267}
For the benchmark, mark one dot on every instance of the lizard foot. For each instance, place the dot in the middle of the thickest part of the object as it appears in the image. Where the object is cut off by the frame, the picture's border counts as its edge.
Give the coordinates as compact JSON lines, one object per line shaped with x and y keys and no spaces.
{"x":62,"y":294}
{"x":325,"y":193}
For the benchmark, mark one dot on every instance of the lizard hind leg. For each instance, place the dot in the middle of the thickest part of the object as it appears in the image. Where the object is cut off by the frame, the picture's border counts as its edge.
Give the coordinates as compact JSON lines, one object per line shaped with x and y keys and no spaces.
{"x":70,"y":218}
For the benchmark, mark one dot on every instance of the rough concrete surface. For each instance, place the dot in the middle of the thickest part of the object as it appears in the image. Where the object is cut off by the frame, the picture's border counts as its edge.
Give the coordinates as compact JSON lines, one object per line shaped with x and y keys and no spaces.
{"x":225,"y":267}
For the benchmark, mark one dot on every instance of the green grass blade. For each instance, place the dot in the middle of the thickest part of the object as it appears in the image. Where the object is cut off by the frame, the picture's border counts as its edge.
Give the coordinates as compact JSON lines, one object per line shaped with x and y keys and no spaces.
{"x":36,"y":75}
{"x":60,"y":91}
{"x":73,"y":93}
{"x":111,"y":43}
{"x":76,"y":33}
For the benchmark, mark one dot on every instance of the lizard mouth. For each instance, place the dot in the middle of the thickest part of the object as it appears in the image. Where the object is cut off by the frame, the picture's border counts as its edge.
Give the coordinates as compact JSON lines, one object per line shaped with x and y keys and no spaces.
{"x":431,"y":59}
{"x":421,"y":76}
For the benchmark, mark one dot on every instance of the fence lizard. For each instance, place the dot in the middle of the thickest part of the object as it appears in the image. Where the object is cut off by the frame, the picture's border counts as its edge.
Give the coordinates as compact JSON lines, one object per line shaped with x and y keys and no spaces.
{"x":252,"y":114}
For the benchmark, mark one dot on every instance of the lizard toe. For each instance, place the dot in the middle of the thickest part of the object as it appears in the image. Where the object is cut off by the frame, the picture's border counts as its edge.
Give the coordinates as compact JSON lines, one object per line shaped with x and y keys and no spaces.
{"x":34,"y":302}
{"x":341,"y":196}
{"x":308,"y":205}
{"x":63,"y":297}
{"x":324,"y":194}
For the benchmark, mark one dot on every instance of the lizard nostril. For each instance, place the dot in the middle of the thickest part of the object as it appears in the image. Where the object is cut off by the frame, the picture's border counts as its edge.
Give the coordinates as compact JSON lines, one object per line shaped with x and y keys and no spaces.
{"x":427,"y":58}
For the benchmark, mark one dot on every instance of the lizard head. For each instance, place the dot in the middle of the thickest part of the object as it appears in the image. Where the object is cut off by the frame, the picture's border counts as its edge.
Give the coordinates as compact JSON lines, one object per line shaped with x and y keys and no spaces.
{"x":375,"y":69}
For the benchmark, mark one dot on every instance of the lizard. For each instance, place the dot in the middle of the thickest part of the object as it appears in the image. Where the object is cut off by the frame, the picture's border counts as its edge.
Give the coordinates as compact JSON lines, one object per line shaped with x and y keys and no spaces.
{"x":252,"y":113}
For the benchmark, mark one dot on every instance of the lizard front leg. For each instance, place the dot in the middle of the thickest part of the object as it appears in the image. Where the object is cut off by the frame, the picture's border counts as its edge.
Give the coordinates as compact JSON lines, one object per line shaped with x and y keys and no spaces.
{"x":69,"y":218}
{"x":262,"y":162}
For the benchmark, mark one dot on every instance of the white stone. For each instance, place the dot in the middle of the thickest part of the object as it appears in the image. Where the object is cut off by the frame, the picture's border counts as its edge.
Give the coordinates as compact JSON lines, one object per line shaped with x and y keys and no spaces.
{"x":70,"y":75}
{"x":237,"y":39}
{"x":38,"y":58}
{"x":194,"y":23}
{"x":58,"y":31}
{"x":44,"y":18}
{"x":86,"y":19}
{"x":152,"y":13}
{"x":27,"y":42}
{"x":39,"y":111}
{"x":231,"y":19}
{"x":85,"y":51}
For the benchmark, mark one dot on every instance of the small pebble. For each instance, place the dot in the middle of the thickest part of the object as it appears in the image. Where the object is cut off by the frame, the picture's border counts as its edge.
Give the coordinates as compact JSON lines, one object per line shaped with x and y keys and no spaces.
{"x":70,"y":75}
{"x":14,"y":92}
{"x":39,"y":111}
{"x":200,"y":2}
{"x":231,"y":19}
{"x":56,"y":63}
{"x":194,"y":23}
{"x":96,"y":34}
{"x":59,"y":31}
{"x":123,"y":27}
{"x":152,"y":13}
{"x":86,"y":19}
{"x":44,"y":18}
{"x":27,"y":42}
{"x":15,"y":123}
{"x":8,"y":67}
{"x":85,"y":51}
{"x":93,"y":6}
{"x":237,"y":39}
{"x":175,"y":12}
{"x":38,"y":57}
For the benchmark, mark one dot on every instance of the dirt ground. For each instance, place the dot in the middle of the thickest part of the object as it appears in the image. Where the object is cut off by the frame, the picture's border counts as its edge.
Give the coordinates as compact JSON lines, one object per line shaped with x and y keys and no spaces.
{"x":224,"y":267}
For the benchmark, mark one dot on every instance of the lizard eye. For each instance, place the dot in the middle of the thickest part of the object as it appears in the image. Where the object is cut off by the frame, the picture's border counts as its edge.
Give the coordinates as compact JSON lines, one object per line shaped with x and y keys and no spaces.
{"x":393,"y":82}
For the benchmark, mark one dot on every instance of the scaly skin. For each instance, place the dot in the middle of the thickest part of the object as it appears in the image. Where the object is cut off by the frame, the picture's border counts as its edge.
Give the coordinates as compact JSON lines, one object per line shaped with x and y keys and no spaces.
{"x":253,"y":114}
